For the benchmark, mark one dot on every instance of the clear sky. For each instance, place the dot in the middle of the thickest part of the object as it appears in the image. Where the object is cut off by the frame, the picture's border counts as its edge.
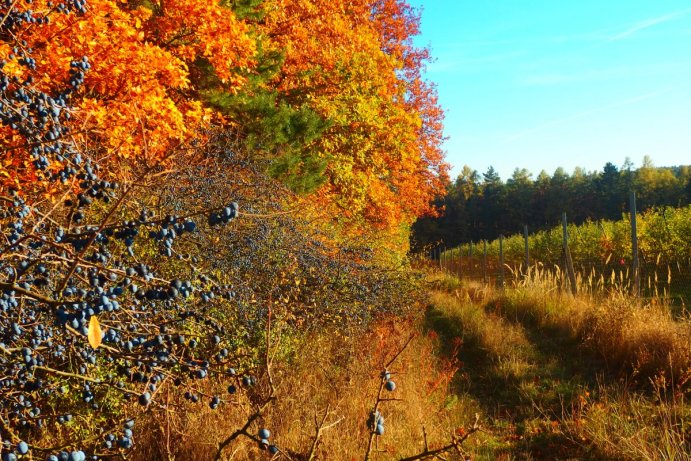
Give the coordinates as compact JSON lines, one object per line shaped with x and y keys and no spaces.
{"x":539,"y":84}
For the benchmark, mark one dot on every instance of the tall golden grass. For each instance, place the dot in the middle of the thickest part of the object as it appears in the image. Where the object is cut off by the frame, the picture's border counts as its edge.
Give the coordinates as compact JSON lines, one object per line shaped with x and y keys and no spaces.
{"x":632,"y":426}
{"x":641,"y":336}
{"x":330,"y":379}
{"x":641,"y":412}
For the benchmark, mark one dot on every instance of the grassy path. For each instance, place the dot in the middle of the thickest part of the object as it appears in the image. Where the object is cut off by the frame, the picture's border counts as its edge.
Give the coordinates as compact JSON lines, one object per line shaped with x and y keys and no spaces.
{"x":533,"y":381}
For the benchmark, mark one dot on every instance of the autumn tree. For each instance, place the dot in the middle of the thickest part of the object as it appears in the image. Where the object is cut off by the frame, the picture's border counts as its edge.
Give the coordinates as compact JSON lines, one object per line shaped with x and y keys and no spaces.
{"x":330,"y":93}
{"x":136,"y":140}
{"x":354,"y":64}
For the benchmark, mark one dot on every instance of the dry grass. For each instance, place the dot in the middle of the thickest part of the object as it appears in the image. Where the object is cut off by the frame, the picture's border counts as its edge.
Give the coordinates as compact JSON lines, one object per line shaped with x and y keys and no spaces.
{"x":631,"y":426}
{"x":443,"y":281}
{"x":644,"y":339}
{"x":640,"y":338}
{"x":635,"y":341}
{"x":489,"y":335}
{"x":334,"y":378}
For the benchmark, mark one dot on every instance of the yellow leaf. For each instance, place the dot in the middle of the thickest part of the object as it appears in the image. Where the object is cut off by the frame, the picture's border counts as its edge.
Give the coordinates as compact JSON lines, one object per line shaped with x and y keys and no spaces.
{"x":95,"y":332}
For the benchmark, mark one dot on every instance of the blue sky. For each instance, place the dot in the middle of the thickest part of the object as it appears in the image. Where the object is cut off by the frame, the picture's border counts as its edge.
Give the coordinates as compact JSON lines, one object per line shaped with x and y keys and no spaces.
{"x":539,"y":84}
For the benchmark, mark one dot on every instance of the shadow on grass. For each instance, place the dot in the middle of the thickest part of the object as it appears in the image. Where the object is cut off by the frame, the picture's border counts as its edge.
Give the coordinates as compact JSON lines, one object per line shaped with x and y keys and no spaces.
{"x":524,"y":406}
{"x":542,"y":372}
{"x":556,"y":344}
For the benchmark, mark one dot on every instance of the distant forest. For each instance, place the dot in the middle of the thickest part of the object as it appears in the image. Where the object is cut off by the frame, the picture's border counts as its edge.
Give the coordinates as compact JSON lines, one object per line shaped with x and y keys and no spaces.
{"x":483,"y":206}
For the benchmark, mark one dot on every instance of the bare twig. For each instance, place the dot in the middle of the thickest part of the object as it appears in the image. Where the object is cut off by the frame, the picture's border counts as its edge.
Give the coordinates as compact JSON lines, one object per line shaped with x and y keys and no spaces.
{"x":400,"y":351}
{"x":455,"y":444}
{"x":243,"y":431}
{"x":28,"y":293}
{"x":320,"y":427}
{"x":9,"y":10}
{"x":382,"y":383}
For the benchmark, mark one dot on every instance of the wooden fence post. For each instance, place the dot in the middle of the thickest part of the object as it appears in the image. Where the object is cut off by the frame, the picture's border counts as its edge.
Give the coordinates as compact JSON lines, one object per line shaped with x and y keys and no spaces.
{"x":635,"y":271}
{"x":470,"y":260}
{"x":527,"y":251}
{"x":501,"y":260}
{"x":484,"y":262}
{"x":568,"y":263}
{"x":459,"y":269}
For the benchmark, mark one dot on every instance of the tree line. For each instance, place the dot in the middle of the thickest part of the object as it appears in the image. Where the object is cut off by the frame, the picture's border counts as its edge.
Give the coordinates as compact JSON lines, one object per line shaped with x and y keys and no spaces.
{"x":483,"y":206}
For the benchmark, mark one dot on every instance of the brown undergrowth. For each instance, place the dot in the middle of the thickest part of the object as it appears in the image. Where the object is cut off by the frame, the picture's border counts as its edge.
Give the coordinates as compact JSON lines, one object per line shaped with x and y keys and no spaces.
{"x":552,"y":377}
{"x":329,"y":379}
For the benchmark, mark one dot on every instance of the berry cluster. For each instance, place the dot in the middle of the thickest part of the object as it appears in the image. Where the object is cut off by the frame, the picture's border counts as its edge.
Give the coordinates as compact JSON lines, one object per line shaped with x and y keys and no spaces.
{"x":57,"y":272}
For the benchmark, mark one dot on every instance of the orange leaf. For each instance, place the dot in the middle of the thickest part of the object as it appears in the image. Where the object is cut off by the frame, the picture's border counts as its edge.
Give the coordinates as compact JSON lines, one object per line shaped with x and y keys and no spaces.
{"x":95,"y":332}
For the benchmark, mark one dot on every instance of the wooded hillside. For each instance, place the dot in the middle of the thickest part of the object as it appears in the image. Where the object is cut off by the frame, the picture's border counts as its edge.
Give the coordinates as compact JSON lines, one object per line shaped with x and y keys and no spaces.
{"x":483,"y":206}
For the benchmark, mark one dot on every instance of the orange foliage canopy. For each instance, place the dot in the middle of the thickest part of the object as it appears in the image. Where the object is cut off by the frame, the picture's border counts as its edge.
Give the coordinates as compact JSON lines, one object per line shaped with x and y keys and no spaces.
{"x":351,"y":61}
{"x":134,"y":101}
{"x":354,"y":62}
